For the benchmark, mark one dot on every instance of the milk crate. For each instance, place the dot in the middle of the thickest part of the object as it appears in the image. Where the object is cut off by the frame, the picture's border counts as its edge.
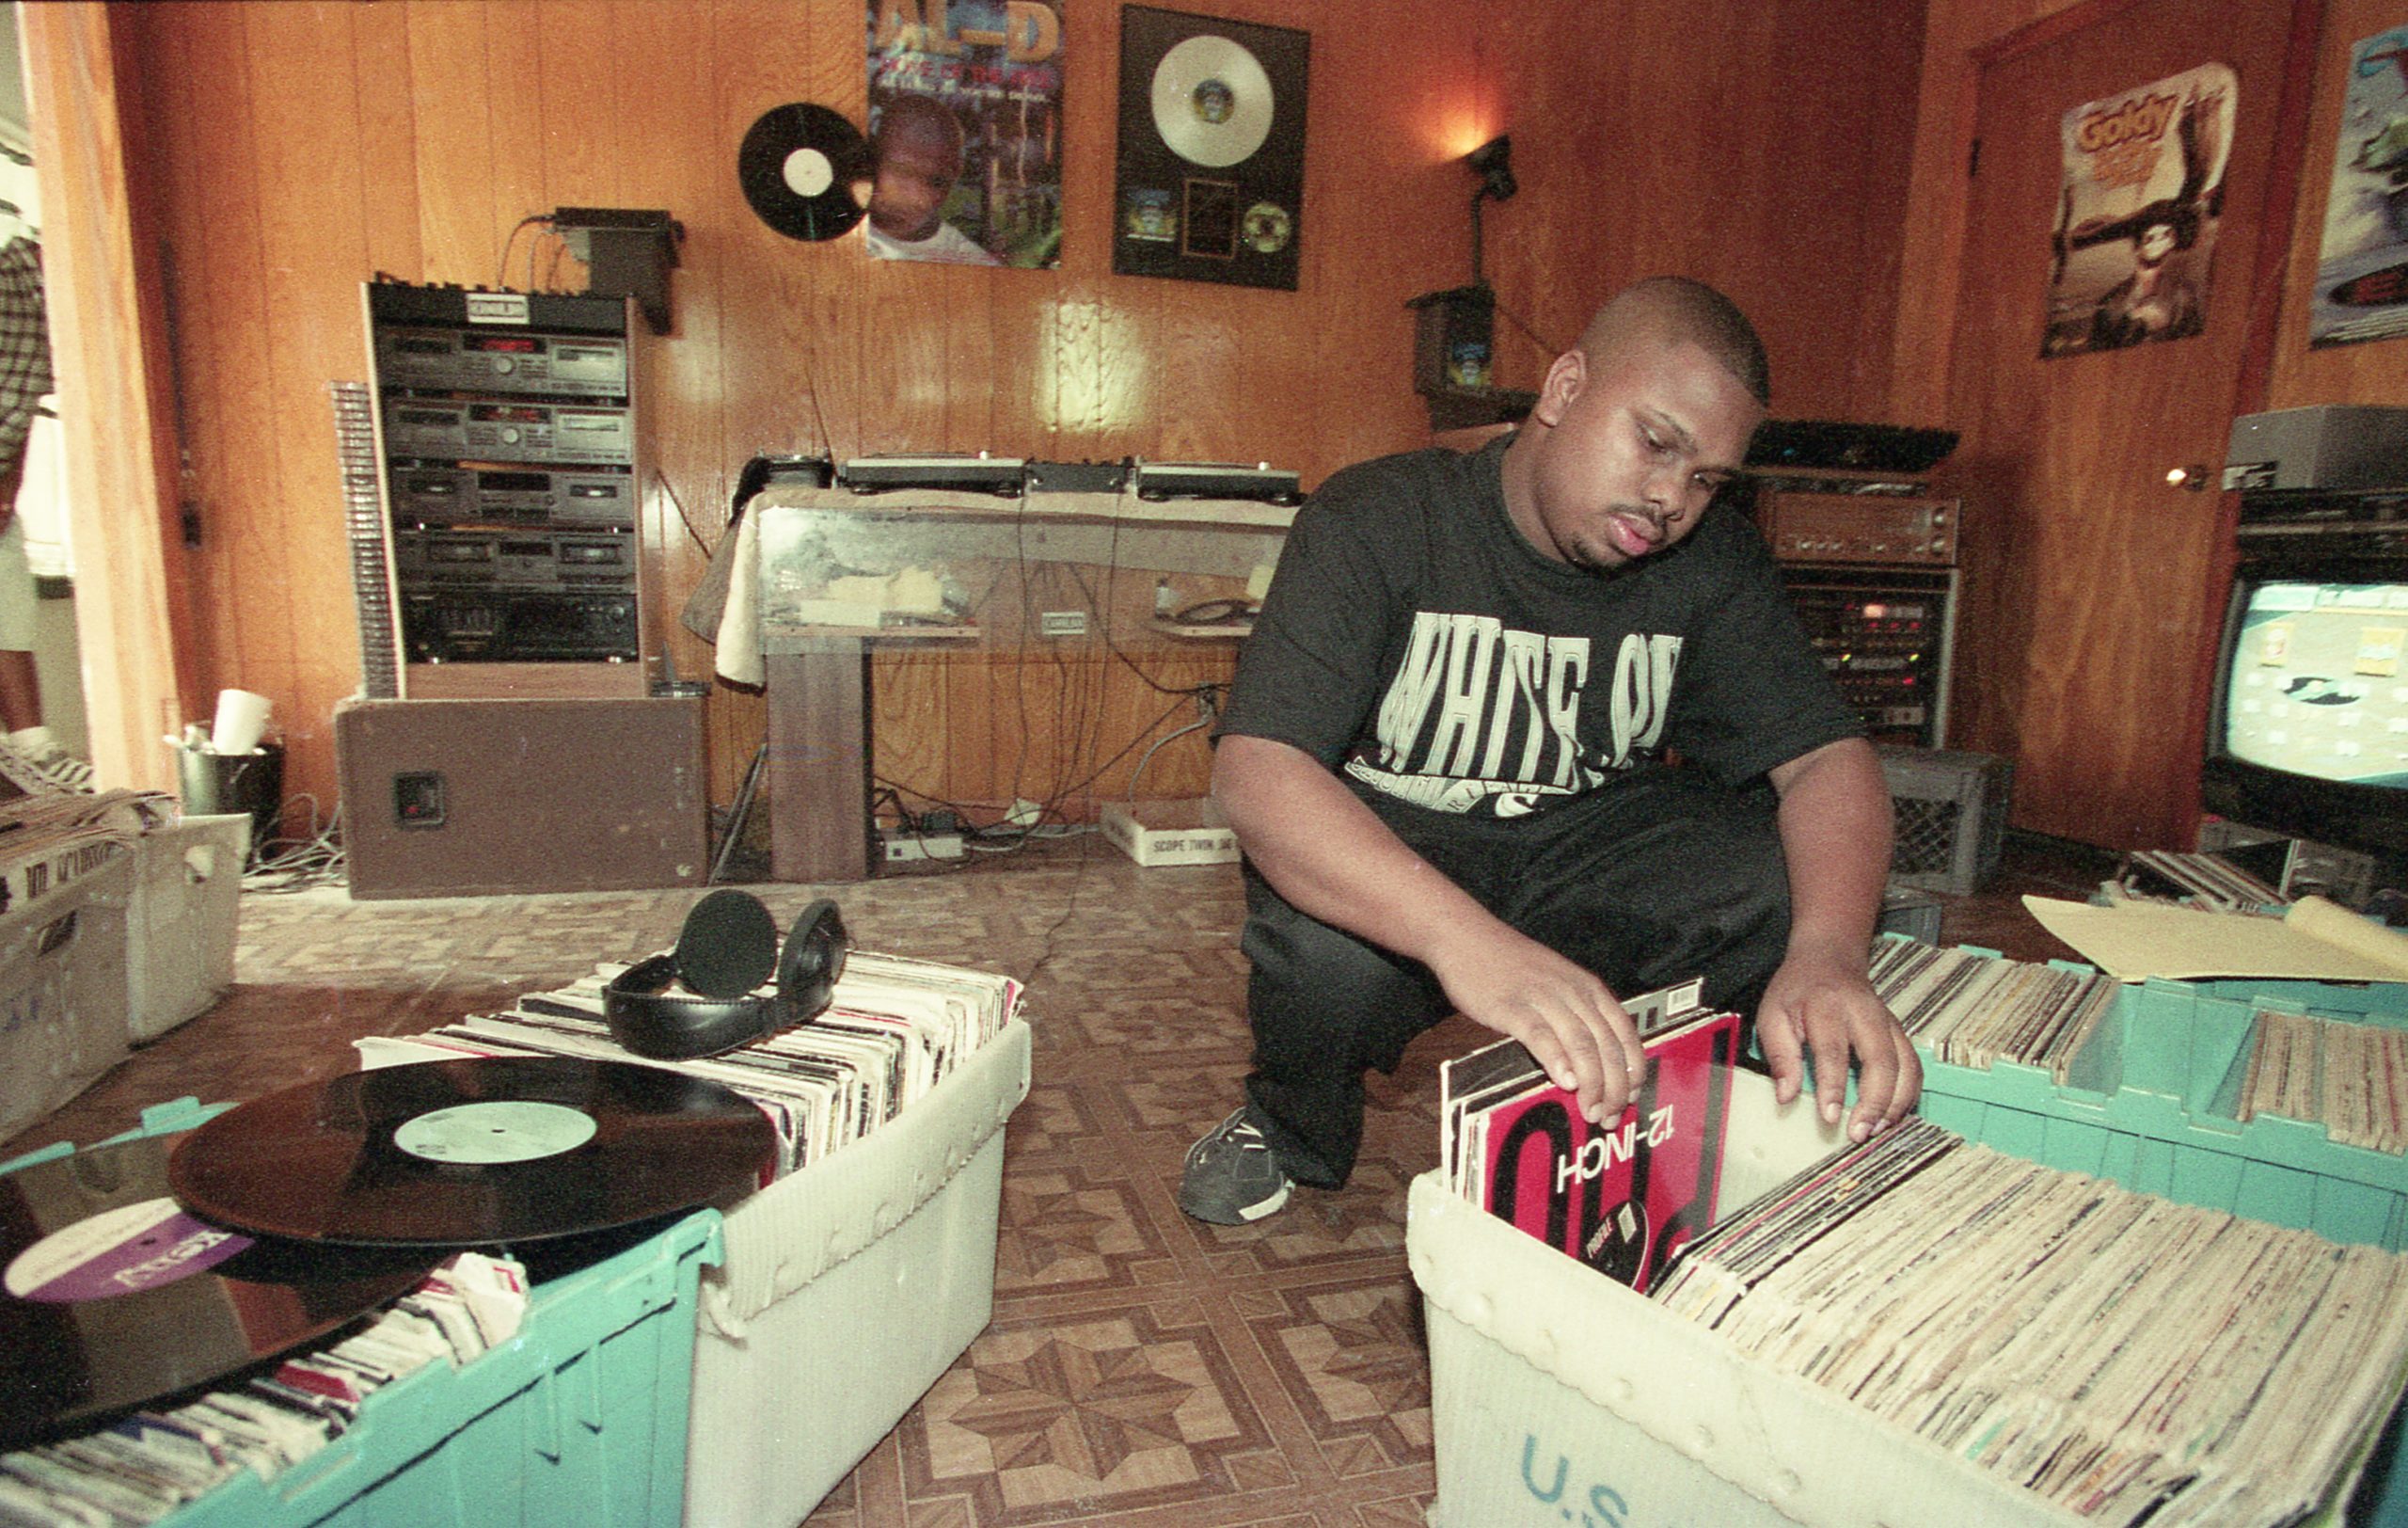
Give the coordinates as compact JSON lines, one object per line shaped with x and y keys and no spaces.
{"x":1950,"y":809}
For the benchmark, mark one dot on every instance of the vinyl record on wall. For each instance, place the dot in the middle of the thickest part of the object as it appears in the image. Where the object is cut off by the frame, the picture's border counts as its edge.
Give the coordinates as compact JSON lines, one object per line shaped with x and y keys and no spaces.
{"x":797,"y":166}
{"x":1212,"y":167}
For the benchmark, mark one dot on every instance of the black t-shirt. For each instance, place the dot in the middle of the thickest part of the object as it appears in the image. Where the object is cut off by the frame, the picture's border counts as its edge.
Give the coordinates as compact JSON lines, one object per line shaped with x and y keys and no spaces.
{"x":1413,"y":640}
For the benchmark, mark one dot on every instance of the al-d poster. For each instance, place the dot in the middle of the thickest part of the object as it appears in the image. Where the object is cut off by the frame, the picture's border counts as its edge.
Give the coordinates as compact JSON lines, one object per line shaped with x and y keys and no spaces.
{"x":2362,"y":271}
{"x":965,"y":131}
{"x":2134,"y":241}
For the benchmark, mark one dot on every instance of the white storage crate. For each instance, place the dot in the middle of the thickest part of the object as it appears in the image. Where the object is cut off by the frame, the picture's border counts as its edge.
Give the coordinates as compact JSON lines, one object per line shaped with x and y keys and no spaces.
{"x":850,"y":1288}
{"x":1560,"y":1396}
{"x":63,"y":1001}
{"x":187,"y":890}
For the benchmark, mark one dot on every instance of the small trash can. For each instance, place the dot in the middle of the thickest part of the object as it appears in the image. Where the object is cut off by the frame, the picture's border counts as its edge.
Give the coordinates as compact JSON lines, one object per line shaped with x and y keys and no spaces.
{"x":220,"y":783}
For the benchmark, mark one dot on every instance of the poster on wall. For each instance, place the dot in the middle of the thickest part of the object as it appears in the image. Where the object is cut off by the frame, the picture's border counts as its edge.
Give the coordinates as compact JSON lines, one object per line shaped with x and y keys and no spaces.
{"x":1211,"y":182}
{"x":2135,"y":233}
{"x":2362,"y":271}
{"x":965,"y":131}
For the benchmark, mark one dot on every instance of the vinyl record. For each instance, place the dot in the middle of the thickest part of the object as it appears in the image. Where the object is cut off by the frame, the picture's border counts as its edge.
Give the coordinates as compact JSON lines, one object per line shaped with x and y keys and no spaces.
{"x":1211,"y":101}
{"x":797,"y":165}
{"x":112,"y":1295}
{"x":472,"y":1152}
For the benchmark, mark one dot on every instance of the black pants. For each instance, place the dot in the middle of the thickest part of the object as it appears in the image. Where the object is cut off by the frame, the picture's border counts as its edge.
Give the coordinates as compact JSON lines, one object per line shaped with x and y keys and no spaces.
{"x":1653,"y":880}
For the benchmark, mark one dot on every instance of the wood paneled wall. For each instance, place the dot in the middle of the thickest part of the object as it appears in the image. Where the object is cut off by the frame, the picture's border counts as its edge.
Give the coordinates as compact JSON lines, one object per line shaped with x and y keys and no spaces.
{"x":297,"y":148}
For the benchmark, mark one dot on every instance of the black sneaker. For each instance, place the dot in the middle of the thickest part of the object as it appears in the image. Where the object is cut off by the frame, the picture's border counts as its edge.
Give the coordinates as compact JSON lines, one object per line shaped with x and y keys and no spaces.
{"x":1232,"y":1177}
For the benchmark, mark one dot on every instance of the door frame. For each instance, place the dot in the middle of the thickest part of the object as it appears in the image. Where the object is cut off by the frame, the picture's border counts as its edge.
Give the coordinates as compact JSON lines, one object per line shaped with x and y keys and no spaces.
{"x":114,"y":371}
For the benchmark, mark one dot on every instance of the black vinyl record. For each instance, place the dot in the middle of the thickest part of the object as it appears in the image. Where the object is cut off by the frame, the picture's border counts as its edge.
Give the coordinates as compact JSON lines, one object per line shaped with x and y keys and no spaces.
{"x":473,"y":1152}
{"x":112,"y":1295}
{"x":797,"y":165}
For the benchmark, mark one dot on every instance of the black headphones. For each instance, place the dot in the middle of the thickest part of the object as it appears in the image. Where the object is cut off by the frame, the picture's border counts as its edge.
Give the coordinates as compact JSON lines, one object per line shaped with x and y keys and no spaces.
{"x":728,"y":947}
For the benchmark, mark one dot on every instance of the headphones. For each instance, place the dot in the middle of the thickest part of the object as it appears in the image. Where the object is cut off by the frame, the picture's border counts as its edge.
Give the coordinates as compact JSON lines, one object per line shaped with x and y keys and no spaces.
{"x":728,"y":948}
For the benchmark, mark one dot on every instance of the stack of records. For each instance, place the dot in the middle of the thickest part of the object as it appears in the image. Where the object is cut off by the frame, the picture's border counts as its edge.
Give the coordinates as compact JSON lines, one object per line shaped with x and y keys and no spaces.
{"x":2351,"y":1078}
{"x":2125,"y":1357}
{"x":122,"y":1310}
{"x":1974,"y":1011}
{"x":894,"y":1028}
{"x":2195,"y":880}
{"x":50,"y":839}
{"x":1623,"y":1199}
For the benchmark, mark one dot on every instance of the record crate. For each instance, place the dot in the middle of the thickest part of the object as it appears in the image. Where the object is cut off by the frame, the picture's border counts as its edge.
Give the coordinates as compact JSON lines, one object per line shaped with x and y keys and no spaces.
{"x":2148,"y":1102}
{"x":580,"y":1418}
{"x":65,"y":1009}
{"x":180,"y":929}
{"x":1950,"y":813}
{"x":851,"y":1288}
{"x":1537,"y":1425}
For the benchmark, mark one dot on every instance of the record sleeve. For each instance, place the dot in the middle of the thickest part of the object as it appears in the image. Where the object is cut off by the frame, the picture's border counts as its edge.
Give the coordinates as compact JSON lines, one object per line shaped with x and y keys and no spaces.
{"x":112,"y":1295}
{"x":1622,"y":1198}
{"x":475,"y":1151}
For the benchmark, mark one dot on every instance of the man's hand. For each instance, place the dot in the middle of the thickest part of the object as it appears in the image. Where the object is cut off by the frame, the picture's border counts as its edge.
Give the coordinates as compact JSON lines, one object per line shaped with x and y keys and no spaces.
{"x":1566,"y":1018}
{"x":1828,"y":1009}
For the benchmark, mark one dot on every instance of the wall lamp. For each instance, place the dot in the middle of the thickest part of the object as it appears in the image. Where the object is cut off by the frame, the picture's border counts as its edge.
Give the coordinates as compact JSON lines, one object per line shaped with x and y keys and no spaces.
{"x":1493,"y":162}
{"x":1455,"y":332}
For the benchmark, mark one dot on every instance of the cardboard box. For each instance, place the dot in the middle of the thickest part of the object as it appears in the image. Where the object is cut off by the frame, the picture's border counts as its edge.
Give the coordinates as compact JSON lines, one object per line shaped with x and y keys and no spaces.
{"x":1558,"y":1393}
{"x":63,"y":1000}
{"x":1171,"y":833}
{"x":850,"y":1288}
{"x":179,"y":931}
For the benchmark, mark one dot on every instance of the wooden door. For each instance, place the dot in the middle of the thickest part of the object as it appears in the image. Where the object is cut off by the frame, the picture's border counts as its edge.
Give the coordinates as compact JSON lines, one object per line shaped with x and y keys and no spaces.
{"x":2089,"y":577}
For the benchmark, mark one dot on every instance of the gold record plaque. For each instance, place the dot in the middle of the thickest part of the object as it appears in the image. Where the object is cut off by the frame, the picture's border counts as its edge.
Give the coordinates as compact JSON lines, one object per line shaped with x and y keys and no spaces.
{"x":1212,"y":171}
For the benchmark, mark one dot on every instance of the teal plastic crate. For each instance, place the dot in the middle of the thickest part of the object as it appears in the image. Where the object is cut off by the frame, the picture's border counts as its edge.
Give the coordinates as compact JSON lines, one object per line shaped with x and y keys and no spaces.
{"x":2147,"y":1104}
{"x":580,"y":1418}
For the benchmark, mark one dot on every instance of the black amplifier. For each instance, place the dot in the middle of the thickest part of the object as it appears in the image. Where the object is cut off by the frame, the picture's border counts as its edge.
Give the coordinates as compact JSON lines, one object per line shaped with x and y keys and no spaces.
{"x":1884,"y":638}
{"x":550,"y":433}
{"x":427,"y":306}
{"x":490,"y":495}
{"x":503,"y":361}
{"x":603,"y":561}
{"x":505,"y":627}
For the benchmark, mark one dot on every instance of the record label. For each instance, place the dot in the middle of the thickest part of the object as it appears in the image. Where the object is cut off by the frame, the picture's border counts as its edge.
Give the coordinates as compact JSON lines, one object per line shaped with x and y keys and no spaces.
{"x":119,"y":1251}
{"x":546,"y":1146}
{"x":115,"y":1295}
{"x":1212,"y":101}
{"x":503,"y":1132}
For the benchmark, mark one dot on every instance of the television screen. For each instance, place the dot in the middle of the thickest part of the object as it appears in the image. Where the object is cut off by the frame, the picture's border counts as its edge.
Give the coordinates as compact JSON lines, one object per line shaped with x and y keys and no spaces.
{"x":2316,"y":683}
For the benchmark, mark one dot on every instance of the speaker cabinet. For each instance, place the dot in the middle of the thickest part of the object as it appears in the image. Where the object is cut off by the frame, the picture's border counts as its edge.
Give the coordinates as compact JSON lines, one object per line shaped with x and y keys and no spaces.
{"x":464,"y":797}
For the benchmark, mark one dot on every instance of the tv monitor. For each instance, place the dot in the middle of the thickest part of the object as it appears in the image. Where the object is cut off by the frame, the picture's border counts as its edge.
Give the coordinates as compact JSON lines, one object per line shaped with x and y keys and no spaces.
{"x":2307,"y":730}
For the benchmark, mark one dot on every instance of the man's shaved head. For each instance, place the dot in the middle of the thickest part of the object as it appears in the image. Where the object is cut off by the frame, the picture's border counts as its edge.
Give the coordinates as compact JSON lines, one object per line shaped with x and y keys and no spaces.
{"x":1676,"y":308}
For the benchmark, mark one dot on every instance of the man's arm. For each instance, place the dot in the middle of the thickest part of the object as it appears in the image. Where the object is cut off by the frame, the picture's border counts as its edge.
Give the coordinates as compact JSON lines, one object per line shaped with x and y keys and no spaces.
{"x":1333,"y":858}
{"x":1834,"y":823}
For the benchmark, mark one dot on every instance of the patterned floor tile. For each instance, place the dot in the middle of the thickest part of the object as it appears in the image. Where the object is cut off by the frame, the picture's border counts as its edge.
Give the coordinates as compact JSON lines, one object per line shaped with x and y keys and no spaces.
{"x":1103,"y":1413}
{"x":1065,"y":1232}
{"x":1351,"y":1355}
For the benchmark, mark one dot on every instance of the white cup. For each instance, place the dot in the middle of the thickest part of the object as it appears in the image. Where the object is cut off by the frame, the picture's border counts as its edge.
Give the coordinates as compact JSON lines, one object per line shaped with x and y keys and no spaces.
{"x":242,"y":720}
